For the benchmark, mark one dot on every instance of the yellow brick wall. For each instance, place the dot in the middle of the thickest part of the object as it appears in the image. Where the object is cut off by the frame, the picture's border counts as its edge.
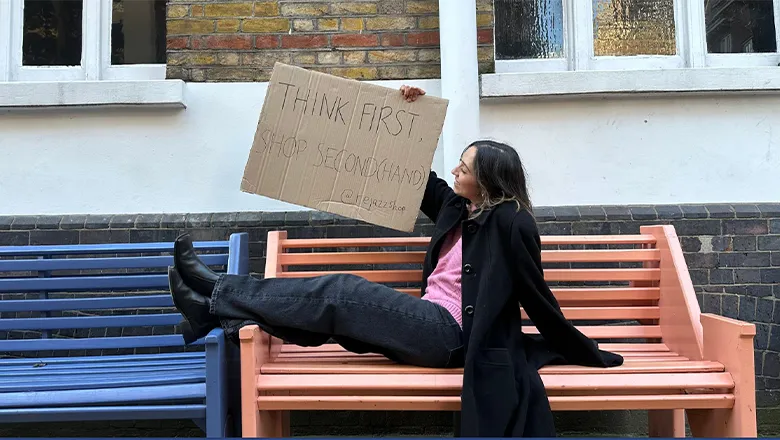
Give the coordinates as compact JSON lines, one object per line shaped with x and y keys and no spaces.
{"x":239,"y":40}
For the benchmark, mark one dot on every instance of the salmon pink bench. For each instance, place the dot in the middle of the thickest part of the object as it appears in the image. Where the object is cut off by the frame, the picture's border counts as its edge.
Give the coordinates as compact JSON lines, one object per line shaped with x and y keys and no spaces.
{"x":631,"y":293}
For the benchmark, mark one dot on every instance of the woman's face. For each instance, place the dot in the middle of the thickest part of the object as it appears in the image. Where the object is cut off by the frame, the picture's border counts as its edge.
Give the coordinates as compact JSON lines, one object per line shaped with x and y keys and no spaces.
{"x":465,"y":180}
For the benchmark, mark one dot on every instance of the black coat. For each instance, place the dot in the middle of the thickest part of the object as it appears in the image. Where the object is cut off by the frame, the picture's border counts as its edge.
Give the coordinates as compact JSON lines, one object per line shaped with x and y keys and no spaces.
{"x":503,"y":394}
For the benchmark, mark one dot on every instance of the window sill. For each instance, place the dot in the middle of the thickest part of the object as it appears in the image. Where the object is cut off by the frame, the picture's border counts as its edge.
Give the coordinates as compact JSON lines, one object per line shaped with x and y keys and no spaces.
{"x":155,"y":93}
{"x":628,"y":82}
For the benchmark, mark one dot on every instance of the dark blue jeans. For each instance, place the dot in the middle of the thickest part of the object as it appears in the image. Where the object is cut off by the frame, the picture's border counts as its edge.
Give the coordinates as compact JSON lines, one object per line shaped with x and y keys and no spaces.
{"x":361,"y":316}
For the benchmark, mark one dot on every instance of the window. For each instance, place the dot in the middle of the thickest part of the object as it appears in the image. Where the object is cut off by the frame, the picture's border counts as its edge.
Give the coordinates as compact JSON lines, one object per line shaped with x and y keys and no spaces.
{"x":559,"y":35}
{"x":67,"y":40}
{"x":745,"y":27}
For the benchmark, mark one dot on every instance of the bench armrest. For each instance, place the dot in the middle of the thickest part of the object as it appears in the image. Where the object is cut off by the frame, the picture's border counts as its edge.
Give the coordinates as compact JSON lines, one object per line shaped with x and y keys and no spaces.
{"x":730,"y":342}
{"x":680,"y":321}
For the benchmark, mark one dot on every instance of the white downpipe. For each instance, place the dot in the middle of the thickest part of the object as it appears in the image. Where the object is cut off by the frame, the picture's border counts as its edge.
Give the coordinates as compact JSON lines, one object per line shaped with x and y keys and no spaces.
{"x":459,"y":77}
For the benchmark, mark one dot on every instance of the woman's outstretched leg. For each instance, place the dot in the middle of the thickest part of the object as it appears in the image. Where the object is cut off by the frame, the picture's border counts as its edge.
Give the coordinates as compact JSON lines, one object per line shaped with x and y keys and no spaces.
{"x":359,"y":314}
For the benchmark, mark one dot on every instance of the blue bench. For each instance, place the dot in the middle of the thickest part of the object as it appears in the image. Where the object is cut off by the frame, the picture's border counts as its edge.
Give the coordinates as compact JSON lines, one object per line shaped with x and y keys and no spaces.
{"x":87,"y":333}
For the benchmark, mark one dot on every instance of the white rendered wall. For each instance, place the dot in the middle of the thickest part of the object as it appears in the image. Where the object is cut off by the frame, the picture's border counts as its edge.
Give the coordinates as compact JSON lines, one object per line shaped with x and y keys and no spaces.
{"x":142,"y":160}
{"x":644,"y":150}
{"x":596,"y":151}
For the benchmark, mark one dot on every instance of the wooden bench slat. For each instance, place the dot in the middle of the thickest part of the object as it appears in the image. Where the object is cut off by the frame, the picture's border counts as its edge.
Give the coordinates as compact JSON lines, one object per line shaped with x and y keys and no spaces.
{"x":93,"y":343}
{"x":314,"y":258}
{"x":80,"y":322}
{"x":603,"y":313}
{"x":647,"y":402}
{"x":594,"y":295}
{"x":606,"y":293}
{"x":297,"y":243}
{"x":107,"y":248}
{"x":600,"y":255}
{"x":618,"y":347}
{"x":598,"y":239}
{"x":405,"y":276}
{"x":374,"y":359}
{"x":635,"y":367}
{"x":598,"y":295}
{"x":120,"y":395}
{"x":314,"y":383}
{"x":115,"y":366}
{"x":111,"y":303}
{"x":377,"y":276}
{"x":349,"y":357}
{"x":105,"y":359}
{"x":548,"y":256}
{"x":151,"y":262}
{"x":344,"y":353}
{"x":104,"y":412}
{"x":452,"y":403}
{"x":75,"y":381}
{"x":612,"y":331}
{"x":624,"y":347}
{"x":84,"y":283}
{"x":652,"y":355}
{"x":602,"y":274}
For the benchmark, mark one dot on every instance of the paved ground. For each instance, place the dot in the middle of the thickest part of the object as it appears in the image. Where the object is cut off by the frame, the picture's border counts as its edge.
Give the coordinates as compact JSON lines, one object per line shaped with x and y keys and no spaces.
{"x":374,"y":424}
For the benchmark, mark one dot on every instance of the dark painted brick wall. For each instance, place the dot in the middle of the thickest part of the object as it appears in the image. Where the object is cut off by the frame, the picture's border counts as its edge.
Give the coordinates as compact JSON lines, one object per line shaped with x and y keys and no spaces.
{"x":732,"y":251}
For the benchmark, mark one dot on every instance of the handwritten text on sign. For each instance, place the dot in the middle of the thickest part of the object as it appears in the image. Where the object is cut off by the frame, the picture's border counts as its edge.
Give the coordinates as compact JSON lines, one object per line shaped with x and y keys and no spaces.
{"x":343,"y":146}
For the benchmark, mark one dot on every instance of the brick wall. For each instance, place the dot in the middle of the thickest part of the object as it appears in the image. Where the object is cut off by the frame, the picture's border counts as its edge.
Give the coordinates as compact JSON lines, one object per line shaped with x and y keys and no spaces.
{"x":733,"y":253}
{"x":238,"y":40}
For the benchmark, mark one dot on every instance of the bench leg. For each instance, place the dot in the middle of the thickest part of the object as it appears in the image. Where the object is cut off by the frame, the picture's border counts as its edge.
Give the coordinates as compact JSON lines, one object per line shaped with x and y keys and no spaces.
{"x":273,"y":424}
{"x":668,"y":423}
{"x":729,"y":342}
{"x":254,"y":352}
{"x":257,"y":348}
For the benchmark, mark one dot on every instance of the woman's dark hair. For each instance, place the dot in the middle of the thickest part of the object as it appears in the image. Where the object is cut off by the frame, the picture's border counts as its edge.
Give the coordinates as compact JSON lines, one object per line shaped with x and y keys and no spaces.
{"x":500,"y":175}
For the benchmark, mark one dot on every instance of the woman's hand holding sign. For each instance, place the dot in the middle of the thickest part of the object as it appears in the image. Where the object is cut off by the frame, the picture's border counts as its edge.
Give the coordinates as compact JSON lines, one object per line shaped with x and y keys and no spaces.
{"x":411,"y":93}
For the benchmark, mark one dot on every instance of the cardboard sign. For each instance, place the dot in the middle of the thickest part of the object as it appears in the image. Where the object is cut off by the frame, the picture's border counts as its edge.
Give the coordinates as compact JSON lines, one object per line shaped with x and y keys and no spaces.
{"x":343,"y":146}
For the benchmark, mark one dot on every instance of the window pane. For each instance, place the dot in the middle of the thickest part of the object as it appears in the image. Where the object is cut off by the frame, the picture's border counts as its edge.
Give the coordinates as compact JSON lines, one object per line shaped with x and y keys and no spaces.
{"x":138,"y":32}
{"x":740,"y":26}
{"x":633,"y":27}
{"x":529,"y":29}
{"x":52,"y":33}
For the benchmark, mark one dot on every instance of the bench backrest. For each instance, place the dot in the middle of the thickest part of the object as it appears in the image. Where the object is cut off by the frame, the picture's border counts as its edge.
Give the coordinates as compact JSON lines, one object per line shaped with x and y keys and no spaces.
{"x":615,"y":288}
{"x":96,"y":299}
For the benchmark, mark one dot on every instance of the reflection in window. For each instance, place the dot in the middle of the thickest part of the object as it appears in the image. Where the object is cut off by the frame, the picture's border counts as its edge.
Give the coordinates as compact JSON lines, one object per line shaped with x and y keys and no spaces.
{"x":138,"y":32}
{"x":52,"y":32}
{"x":529,"y":29}
{"x":633,"y":27}
{"x":747,"y":25}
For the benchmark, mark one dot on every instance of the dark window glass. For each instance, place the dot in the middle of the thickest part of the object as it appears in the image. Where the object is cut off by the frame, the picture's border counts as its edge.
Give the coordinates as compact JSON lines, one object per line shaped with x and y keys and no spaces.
{"x":52,"y":32}
{"x":138,"y":32}
{"x":740,"y":26}
{"x":529,"y":29}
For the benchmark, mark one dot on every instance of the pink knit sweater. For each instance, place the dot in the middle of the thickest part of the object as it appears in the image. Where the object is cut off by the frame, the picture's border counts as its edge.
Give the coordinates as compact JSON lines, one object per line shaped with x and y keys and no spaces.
{"x":444,"y":283}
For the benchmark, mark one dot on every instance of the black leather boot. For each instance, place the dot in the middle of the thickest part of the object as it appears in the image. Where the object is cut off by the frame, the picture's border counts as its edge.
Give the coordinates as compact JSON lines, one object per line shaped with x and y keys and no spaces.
{"x":193,"y":271}
{"x":198,"y":322}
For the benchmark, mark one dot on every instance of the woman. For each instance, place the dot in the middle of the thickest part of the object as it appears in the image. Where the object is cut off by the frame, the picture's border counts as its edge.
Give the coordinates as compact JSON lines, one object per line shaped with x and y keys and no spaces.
{"x":484,"y":258}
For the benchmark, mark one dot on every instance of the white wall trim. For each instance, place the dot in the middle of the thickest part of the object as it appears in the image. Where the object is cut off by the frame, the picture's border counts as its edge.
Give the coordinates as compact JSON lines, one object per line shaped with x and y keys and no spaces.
{"x":753,"y":79}
{"x":90,"y":93}
{"x":459,"y":79}
{"x":5,"y":40}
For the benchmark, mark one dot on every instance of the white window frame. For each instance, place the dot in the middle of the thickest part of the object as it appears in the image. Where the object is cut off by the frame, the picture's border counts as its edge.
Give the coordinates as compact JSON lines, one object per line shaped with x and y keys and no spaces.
{"x":95,"y":51}
{"x":690,"y":40}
